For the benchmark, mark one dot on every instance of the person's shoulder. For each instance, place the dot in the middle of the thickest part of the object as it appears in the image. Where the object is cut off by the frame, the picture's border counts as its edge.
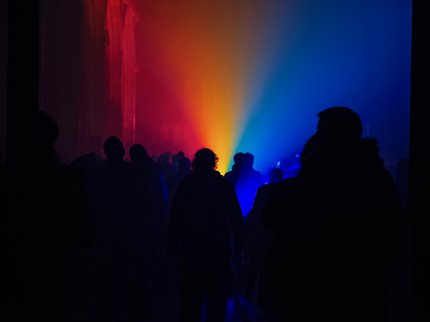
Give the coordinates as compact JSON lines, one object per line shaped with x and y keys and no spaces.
{"x":285,"y":185}
{"x":266,"y":187}
{"x":216,"y":180}
{"x":228,"y":174}
{"x":225,"y":179}
{"x":186,"y":181}
{"x":288,"y":182}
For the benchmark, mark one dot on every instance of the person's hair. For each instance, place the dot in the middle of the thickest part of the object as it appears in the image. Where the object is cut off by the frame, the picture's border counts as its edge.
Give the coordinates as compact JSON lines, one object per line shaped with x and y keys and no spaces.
{"x":239,"y":157}
{"x":276,"y":175}
{"x":137,"y":152}
{"x":339,"y":122}
{"x":205,"y":159}
{"x":308,"y":149}
{"x":248,"y":159}
{"x":113,"y":148}
{"x":184,"y":163}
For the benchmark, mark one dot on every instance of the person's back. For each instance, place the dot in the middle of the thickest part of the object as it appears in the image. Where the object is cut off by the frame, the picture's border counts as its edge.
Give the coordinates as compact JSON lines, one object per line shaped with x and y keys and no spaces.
{"x":113,"y":196}
{"x":204,"y":201}
{"x":205,"y":218}
{"x":142,"y":173}
{"x":258,"y":236}
{"x":337,"y":229}
{"x":147,"y":203}
{"x":49,"y":218}
{"x":111,"y":222}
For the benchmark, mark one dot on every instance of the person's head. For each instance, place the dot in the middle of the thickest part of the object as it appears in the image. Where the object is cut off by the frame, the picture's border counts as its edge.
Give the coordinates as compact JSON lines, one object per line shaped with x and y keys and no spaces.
{"x":205,"y":160}
{"x":309,"y":148}
{"x":47,"y":129}
{"x":184,"y":164}
{"x":339,"y":123}
{"x":164,"y":158}
{"x":238,"y":157}
{"x":276,"y":175}
{"x":248,"y":160}
{"x":137,"y":153}
{"x":113,"y":148}
{"x":180,"y":154}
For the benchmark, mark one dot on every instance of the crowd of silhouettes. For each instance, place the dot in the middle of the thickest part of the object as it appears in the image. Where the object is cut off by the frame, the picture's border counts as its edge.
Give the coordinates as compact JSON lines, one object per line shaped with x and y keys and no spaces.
{"x":145,"y":238}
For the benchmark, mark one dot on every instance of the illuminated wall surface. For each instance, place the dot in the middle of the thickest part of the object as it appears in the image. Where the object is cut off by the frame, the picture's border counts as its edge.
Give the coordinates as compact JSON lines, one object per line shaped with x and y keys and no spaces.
{"x":250,"y":75}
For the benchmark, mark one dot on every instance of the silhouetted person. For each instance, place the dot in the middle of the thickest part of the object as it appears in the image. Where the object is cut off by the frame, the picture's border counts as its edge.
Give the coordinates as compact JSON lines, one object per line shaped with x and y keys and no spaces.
{"x":114,"y":190}
{"x":89,"y":166}
{"x":183,"y":168}
{"x":48,"y":218}
{"x":246,"y":180}
{"x":145,"y":166}
{"x":234,"y":173}
{"x":205,"y":228}
{"x":336,"y":228}
{"x":142,"y":234}
{"x":258,"y":236}
{"x":148,"y":229}
{"x":176,"y":157}
{"x":164,"y":164}
{"x":112,"y":219}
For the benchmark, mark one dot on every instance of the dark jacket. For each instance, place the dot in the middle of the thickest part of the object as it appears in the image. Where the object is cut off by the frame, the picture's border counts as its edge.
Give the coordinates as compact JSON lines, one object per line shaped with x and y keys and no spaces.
{"x":205,"y":217}
{"x":337,"y":230}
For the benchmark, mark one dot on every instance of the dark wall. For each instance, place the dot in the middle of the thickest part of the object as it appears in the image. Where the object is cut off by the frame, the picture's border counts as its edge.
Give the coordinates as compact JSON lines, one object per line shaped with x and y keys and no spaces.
{"x":94,"y":110}
{"x":59,"y":69}
{"x":73,"y":73}
{"x":3,"y":71}
{"x":23,"y":51}
{"x":419,"y":187}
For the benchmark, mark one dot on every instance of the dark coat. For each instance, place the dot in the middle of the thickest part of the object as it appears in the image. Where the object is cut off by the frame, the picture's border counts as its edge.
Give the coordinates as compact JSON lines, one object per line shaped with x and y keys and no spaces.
{"x":337,"y":233}
{"x":205,"y":217}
